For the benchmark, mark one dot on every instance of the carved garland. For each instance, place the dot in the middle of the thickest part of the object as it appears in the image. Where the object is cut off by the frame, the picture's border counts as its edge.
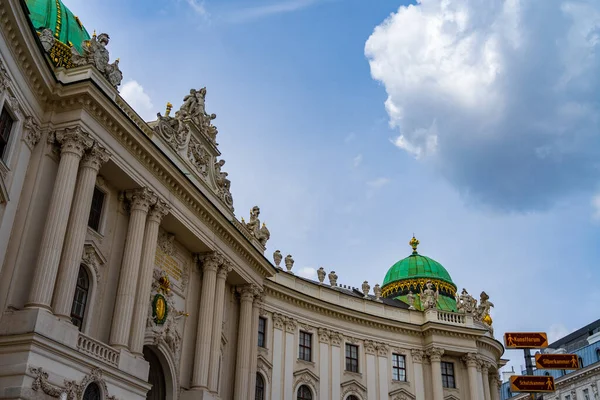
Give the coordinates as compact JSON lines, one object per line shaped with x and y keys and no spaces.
{"x":73,"y":390}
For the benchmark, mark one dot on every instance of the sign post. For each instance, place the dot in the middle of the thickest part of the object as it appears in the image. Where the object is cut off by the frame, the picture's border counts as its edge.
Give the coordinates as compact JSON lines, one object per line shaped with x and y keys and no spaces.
{"x":557,"y":361}
{"x":532,"y":384}
{"x":526,"y":341}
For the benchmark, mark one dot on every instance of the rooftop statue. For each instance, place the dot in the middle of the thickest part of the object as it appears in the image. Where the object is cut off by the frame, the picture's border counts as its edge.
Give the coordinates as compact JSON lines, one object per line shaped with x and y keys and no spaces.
{"x":194,"y":109}
{"x":483,"y":310}
{"x":465,"y":303}
{"x":223,"y":184}
{"x":429,"y":297}
{"x":96,"y":54}
{"x":261,"y":233}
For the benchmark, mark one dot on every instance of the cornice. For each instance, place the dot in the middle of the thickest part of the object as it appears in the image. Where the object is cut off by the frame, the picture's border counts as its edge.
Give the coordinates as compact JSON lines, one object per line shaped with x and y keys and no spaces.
{"x":141,"y":147}
{"x":491,"y":345}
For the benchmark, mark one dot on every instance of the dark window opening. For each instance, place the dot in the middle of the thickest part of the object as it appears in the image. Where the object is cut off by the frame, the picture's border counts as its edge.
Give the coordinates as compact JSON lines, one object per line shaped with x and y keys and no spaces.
{"x":80,"y":299}
{"x":351,"y":358}
{"x":304,"y":393}
{"x":6,"y":123}
{"x":305,"y":346}
{"x":92,"y":392}
{"x":96,"y":210}
{"x":259,"y":392}
{"x":398,"y":367}
{"x":448,"y":375}
{"x":262,"y":328}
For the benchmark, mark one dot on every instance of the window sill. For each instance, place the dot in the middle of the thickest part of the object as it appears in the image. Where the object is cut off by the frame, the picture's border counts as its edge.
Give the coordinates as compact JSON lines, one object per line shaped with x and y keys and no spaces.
{"x":402,"y":383}
{"x":4,"y":170}
{"x":95,"y":234}
{"x":309,"y":363}
{"x":357,"y":374}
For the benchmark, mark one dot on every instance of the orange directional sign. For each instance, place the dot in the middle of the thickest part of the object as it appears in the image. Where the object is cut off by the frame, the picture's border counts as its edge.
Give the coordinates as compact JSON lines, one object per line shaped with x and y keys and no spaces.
{"x":532,"y":384}
{"x":556,"y":361}
{"x":525,"y":340}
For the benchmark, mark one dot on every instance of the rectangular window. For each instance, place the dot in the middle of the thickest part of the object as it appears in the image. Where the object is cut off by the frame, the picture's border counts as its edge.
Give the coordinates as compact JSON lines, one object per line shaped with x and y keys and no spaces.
{"x":448,"y":375}
{"x":398,"y":367}
{"x":262,"y":328}
{"x":6,"y":123}
{"x":351,"y":358}
{"x":586,"y":394}
{"x":96,"y":210}
{"x":305,"y":347}
{"x":568,"y":397}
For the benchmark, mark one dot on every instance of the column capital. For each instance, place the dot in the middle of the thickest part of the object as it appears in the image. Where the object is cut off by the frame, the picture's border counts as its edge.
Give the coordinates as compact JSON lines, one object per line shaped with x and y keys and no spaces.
{"x":323,"y":335}
{"x":224,"y":270}
{"x":435,"y":354}
{"x":211,"y":261}
{"x":95,"y":157}
{"x":382,"y":349}
{"x":247,"y":292}
{"x":141,"y":198}
{"x":370,"y":347}
{"x":470,"y":360}
{"x":336,"y":338}
{"x":290,"y":325}
{"x":31,"y":132}
{"x":159,"y":211}
{"x":278,"y":321}
{"x":417,"y":355}
{"x":73,"y":140}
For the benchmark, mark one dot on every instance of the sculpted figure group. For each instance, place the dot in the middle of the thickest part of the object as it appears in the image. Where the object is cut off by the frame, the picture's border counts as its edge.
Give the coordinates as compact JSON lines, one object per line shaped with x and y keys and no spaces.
{"x":261,"y":233}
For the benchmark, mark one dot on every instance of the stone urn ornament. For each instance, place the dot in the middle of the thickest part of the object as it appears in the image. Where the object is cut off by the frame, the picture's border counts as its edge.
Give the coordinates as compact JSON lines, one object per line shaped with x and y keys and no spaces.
{"x":410,"y":297}
{"x":289,"y":263}
{"x":277,"y":257}
{"x":321,"y":275}
{"x":366,"y":288}
{"x":333,"y":279}
{"x":377,"y":292}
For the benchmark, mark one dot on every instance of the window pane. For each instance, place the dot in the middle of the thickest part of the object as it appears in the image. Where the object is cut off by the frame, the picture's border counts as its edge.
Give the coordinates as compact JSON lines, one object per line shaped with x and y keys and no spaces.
{"x":6,"y":123}
{"x":80,"y":298}
{"x":96,"y":209}
{"x":262,"y":324}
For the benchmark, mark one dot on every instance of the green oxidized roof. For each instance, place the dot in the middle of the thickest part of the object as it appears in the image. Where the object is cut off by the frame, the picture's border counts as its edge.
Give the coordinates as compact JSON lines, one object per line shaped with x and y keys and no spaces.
{"x":54,"y":15}
{"x":416,"y":266}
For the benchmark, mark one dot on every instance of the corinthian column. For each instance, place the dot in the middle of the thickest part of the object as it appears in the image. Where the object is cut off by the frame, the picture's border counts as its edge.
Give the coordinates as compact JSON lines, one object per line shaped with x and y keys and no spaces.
{"x":243,"y":345}
{"x":485,"y":370}
{"x":140,"y":200}
{"x":496,"y":385}
{"x":217,"y":327}
{"x":142,"y":297}
{"x":77,"y":228}
{"x":417,"y":358}
{"x":435,"y":356}
{"x":73,"y":143}
{"x":210,"y":264}
{"x":470,"y":361}
{"x":256,"y":306}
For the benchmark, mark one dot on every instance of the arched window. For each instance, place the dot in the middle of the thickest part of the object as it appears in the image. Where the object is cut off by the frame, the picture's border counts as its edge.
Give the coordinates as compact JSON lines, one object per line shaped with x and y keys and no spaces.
{"x":352,"y":397}
{"x":259,"y":392}
{"x":304,"y":393}
{"x":81,"y":297}
{"x":92,"y":392}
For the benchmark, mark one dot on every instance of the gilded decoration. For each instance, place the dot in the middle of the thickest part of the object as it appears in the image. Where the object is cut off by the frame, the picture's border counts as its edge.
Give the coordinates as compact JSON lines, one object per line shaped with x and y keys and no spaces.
{"x":160,"y":309}
{"x":417,"y":285}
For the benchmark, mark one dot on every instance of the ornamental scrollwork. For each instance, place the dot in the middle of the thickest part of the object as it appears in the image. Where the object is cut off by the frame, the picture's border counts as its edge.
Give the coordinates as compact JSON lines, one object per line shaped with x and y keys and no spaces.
{"x":73,"y":390}
{"x":199,"y":157}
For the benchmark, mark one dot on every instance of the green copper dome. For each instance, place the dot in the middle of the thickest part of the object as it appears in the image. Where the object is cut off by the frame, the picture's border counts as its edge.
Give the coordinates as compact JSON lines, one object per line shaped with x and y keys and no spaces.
{"x":412,"y":273}
{"x":54,"y":15}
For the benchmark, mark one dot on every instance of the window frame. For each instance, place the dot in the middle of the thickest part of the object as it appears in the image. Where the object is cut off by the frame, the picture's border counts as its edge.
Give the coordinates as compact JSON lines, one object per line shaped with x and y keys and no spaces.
{"x":352,"y":362}
{"x":5,"y":152}
{"x":102,"y":210}
{"x":397,"y":369}
{"x":262,"y":332}
{"x":304,"y":349}
{"x":310,"y":393}
{"x":259,"y":378}
{"x":446,"y":376}
{"x":88,"y":291}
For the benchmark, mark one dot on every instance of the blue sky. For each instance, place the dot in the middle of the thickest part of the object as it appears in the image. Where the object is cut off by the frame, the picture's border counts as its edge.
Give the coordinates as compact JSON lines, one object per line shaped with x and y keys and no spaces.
{"x":475,"y":126}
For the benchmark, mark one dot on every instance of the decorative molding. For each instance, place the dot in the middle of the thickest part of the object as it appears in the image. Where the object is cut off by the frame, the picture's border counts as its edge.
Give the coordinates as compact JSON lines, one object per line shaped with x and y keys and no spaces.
{"x":278,"y":321}
{"x":323,"y":335}
{"x":370,"y":347}
{"x":383,"y":350}
{"x":166,"y":242}
{"x":306,"y":327}
{"x":417,"y":355}
{"x":306,"y":377}
{"x":401,"y":394}
{"x":353,"y":387}
{"x":291,"y":325}
{"x":40,"y":381}
{"x":451,"y":397}
{"x":73,"y":390}
{"x":31,"y":132}
{"x":265,"y":367}
{"x":336,"y":338}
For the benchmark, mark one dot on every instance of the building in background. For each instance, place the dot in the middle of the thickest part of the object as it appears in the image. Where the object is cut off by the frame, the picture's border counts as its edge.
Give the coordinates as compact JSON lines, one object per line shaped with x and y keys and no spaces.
{"x":125,"y":274}
{"x":579,"y":384}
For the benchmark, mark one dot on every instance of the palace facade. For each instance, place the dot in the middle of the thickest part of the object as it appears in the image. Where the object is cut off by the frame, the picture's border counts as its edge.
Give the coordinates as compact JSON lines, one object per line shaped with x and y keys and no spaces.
{"x":125,"y":274}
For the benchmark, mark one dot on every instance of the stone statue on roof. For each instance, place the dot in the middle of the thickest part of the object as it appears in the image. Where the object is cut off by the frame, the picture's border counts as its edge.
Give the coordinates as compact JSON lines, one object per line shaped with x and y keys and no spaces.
{"x":465,"y":303}
{"x":429,"y":297}
{"x":261,"y":233}
{"x":96,"y":54}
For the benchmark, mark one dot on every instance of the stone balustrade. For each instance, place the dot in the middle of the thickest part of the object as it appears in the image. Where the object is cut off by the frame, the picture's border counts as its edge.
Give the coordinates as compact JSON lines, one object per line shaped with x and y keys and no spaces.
{"x":98,"y":350}
{"x":451,"y":318}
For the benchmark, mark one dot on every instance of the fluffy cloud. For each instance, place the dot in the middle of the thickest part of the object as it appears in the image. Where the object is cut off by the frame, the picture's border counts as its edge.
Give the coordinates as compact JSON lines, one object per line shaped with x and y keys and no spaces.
{"x":138,"y":99}
{"x":378,"y":183}
{"x":307,"y":272}
{"x":501,"y":96}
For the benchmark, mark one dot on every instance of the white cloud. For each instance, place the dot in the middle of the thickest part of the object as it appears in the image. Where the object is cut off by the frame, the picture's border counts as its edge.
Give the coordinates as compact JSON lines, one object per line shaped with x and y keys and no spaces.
{"x":357,"y":160}
{"x":500,"y":96}
{"x":278,"y":7}
{"x":199,"y":7}
{"x":596,"y":207}
{"x":307,"y":272}
{"x":378,"y":183}
{"x":556,"y":332}
{"x":138,"y":99}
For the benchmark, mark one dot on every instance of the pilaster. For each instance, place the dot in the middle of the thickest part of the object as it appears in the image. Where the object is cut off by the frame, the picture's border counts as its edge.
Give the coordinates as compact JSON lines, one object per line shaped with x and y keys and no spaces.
{"x":435,"y":356}
{"x":217,"y":325}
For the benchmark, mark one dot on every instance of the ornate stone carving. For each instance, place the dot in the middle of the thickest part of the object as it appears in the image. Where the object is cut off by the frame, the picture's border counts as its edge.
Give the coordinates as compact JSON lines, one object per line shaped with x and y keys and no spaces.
{"x":377,"y":292}
{"x":333,"y":279}
{"x":159,"y":210}
{"x":305,"y":327}
{"x":470,"y":359}
{"x":435,"y":354}
{"x":370,"y":347}
{"x":248,"y":292}
{"x":277,"y":257}
{"x":355,"y":388}
{"x":199,"y":156}
{"x":175,"y":132}
{"x":72,"y":390}
{"x":290,"y":325}
{"x":261,"y":234}
{"x":365,"y":289}
{"x":265,"y":368}
{"x":95,"y":157}
{"x":142,"y":198}
{"x":31,"y":132}
{"x":224,"y":270}
{"x":167,"y":333}
{"x":194,"y":110}
{"x":483,"y":311}
{"x":289,"y":263}
{"x":76,"y":391}
{"x":15,"y":107}
{"x":278,"y":321}
{"x":223,"y":184}
{"x":417,"y":355}
{"x":307,"y":377}
{"x":4,"y":77}
{"x":402,"y":394}
{"x":321,"y":275}
{"x":96,"y":54}
{"x":336,"y":338}
{"x":410,"y":297}
{"x":323,"y":335}
{"x":465,"y":303}
{"x":47,"y":39}
{"x":212,"y":260}
{"x":41,"y":382}
{"x":382,"y":349}
{"x":166,"y":243}
{"x":73,"y":140}
{"x":429,"y":297}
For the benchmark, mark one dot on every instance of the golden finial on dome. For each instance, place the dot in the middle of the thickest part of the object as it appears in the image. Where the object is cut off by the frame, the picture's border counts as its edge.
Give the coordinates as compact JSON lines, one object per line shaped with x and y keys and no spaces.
{"x":169,"y":107}
{"x":414,"y":243}
{"x":94,"y":35}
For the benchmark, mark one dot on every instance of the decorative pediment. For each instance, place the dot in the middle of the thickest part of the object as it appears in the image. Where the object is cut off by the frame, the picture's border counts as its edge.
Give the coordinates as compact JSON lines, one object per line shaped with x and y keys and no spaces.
{"x":353,"y":387}
{"x":307,"y":377}
{"x":402,"y":394}
{"x":451,"y":397}
{"x":93,"y":257}
{"x":265,"y":367}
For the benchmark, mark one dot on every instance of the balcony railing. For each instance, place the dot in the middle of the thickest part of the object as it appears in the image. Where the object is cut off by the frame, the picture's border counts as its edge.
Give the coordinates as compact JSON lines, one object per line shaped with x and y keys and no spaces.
{"x":98,"y":350}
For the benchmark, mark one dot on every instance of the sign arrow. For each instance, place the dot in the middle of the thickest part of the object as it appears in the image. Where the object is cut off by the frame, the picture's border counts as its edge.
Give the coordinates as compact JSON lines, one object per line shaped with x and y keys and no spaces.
{"x":525,"y":340}
{"x":532,"y":384}
{"x":557,"y":361}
